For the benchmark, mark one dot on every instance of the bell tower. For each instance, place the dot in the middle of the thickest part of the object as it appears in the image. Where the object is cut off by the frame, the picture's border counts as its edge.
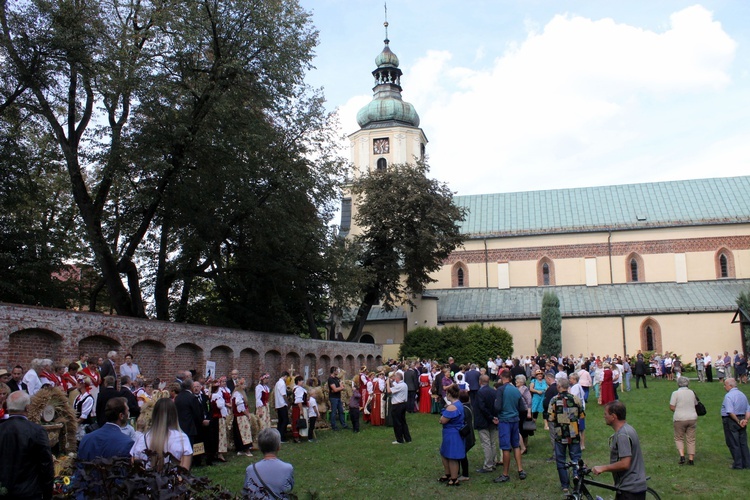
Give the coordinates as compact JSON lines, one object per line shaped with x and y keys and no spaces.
{"x":389,"y":130}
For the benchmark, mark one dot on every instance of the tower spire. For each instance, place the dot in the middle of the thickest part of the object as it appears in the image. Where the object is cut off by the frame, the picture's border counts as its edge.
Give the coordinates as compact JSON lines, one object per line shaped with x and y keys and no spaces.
{"x":385,"y":7}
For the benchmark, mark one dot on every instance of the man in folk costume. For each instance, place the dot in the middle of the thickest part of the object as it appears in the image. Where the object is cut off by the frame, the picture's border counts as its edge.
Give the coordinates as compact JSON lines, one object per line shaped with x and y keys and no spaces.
{"x":262,"y":396}
{"x":363,"y":383}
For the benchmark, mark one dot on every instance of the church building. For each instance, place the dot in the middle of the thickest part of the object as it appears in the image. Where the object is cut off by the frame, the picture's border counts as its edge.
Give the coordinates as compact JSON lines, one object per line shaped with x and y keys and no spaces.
{"x":653,"y":266}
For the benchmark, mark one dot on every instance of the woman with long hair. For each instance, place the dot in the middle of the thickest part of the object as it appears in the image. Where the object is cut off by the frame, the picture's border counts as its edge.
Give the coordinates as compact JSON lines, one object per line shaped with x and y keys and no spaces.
{"x":452,"y":448}
{"x":241,"y":431}
{"x":163,"y":439}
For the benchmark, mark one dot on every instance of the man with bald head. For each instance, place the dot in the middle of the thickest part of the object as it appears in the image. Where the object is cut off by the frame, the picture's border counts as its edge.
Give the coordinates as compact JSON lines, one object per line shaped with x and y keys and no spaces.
{"x":26,"y":469}
{"x":735,"y":413}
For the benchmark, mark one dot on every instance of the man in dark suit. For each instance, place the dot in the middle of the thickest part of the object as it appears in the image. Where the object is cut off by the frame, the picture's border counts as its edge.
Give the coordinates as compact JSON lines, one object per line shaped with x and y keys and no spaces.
{"x":411,"y":377}
{"x":105,"y":395}
{"x":205,"y":408}
{"x":189,"y":412}
{"x":26,"y":469}
{"x":232,"y":380}
{"x":108,"y":366}
{"x":472,"y":380}
{"x":108,"y":441}
{"x":16,"y":382}
{"x":126,"y":391}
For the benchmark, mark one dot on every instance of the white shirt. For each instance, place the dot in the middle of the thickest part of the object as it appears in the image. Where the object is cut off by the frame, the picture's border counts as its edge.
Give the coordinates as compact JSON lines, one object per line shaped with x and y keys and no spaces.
{"x":32,"y":381}
{"x":218,"y":398}
{"x":312,"y":407}
{"x":577,"y":390}
{"x":259,"y":390}
{"x":279,"y":394}
{"x":239,"y":402}
{"x":178,"y":444}
{"x":299,"y":394}
{"x":131,"y":371}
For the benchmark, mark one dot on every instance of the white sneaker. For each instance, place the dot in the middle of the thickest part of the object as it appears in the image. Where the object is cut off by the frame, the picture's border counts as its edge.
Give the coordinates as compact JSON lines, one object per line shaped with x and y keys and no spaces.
{"x":396,"y":442}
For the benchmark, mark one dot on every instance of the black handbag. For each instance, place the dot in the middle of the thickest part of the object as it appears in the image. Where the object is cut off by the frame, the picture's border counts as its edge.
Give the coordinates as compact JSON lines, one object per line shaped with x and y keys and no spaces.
{"x":465,"y":430}
{"x":700,"y":409}
{"x":529,"y":425}
{"x":301,"y":423}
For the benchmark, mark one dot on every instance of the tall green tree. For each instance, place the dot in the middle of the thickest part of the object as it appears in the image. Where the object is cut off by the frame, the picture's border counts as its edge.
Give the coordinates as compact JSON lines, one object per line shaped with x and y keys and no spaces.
{"x":193,"y":152}
{"x":410,"y":225}
{"x":551,"y":344}
{"x":38,"y":230}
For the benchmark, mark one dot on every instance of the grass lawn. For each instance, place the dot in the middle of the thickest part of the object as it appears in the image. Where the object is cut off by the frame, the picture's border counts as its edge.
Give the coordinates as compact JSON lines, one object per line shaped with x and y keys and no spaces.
{"x":366,"y":465}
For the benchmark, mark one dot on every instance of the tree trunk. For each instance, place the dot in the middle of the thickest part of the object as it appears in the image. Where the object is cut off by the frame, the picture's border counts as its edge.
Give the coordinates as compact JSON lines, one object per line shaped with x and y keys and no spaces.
{"x":371,"y":297}
{"x":312,"y":329}
{"x":161,"y":287}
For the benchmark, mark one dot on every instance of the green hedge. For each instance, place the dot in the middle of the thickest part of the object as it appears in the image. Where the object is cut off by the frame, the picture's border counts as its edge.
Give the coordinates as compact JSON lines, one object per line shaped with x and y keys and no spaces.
{"x":473,"y":344}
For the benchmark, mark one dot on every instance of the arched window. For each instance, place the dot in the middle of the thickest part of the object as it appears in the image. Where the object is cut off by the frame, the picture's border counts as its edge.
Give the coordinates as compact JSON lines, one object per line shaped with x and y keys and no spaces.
{"x":724,"y":261}
{"x":382,"y":164}
{"x":651,"y":335}
{"x":545,"y":272}
{"x":634,"y":271}
{"x":459,"y":275}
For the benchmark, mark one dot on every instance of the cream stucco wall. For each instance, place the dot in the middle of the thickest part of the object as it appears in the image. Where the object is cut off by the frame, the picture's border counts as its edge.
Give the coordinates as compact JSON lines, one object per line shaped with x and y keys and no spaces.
{"x":657,"y":267}
{"x":685,"y":334}
{"x":405,"y":144}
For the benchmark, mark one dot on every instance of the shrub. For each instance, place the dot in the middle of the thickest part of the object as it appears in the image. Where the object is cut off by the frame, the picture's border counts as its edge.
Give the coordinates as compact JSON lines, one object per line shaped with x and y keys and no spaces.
{"x":474,"y":344}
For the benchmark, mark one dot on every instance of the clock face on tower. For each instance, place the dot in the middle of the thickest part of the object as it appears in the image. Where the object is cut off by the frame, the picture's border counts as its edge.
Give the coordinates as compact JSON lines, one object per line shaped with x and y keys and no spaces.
{"x":381,"y":146}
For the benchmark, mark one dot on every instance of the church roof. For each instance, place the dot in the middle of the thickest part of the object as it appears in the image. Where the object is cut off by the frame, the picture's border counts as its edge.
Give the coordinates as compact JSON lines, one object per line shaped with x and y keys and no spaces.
{"x":629,"y":206}
{"x":492,"y":304}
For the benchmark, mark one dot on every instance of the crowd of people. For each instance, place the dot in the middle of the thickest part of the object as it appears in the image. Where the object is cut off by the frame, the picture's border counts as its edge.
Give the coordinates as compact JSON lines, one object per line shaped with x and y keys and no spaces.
{"x":108,"y":399}
{"x":194,"y":417}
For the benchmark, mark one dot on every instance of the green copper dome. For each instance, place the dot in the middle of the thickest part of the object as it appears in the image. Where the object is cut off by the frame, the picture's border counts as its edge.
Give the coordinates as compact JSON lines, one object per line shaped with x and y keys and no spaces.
{"x":387,"y":104}
{"x":386,"y":58}
{"x":388,"y":109}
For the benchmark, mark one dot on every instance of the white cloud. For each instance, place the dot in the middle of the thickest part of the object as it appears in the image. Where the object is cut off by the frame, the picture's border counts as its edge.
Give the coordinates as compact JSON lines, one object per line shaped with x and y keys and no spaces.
{"x":575,"y":99}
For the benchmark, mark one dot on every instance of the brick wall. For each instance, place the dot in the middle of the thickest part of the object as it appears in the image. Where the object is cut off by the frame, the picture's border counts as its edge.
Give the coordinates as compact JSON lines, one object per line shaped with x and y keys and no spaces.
{"x":161,"y":348}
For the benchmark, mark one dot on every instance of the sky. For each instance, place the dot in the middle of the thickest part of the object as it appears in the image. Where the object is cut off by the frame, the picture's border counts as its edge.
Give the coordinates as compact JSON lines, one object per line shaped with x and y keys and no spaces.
{"x":522,"y":95}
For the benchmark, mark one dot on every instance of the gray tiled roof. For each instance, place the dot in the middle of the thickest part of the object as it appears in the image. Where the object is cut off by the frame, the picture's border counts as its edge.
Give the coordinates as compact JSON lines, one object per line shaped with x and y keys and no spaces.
{"x":489,"y":304}
{"x":657,"y":204}
{"x":377,"y":313}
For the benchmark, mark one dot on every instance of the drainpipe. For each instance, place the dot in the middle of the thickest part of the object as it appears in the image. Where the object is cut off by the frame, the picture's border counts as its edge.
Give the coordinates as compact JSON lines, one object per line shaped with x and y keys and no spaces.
{"x":486,"y":265}
{"x":609,"y":245}
{"x":624,"y":343}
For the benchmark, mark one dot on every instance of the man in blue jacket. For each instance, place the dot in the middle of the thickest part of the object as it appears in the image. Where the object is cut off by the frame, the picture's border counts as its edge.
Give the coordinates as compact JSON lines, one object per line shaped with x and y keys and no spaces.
{"x":109,"y":440}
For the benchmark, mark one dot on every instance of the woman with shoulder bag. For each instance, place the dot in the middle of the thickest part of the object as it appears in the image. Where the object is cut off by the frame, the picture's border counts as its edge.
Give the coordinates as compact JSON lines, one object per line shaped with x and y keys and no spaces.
{"x":685,"y":419}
